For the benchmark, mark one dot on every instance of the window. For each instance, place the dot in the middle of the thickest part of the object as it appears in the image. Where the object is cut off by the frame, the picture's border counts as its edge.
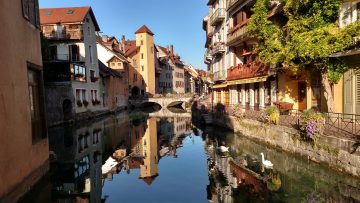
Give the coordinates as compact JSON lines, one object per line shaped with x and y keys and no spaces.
{"x":134,"y":63}
{"x":91,"y":54}
{"x":94,"y":95}
{"x":142,"y":42}
{"x":142,"y":56}
{"x":69,"y":11}
{"x":92,"y":74}
{"x":135,"y":77}
{"x":36,"y":103}
{"x":142,"y":68}
{"x":119,"y":64}
{"x":79,"y":73}
{"x":88,"y":30}
{"x":83,"y":95}
{"x":78,"y":95}
{"x":112,"y":64}
{"x":30,"y":9}
{"x":152,"y":50}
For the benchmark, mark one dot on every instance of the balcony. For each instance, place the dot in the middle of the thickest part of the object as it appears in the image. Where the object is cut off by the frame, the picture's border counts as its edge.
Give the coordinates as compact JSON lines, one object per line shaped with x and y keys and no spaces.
{"x":237,"y":34}
{"x":218,"y":16}
{"x":219,"y":48}
{"x":249,"y":70}
{"x":67,"y":57}
{"x":220,"y":75}
{"x":68,"y":32}
{"x":207,"y":56}
{"x":232,"y":3}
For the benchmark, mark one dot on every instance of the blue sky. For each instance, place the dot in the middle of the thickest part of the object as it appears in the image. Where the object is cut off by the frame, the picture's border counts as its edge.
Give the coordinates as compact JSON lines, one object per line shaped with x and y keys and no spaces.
{"x":177,"y":22}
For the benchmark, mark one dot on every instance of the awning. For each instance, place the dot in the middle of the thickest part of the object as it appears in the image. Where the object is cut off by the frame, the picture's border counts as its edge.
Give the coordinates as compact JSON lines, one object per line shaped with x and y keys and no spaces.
{"x":220,"y":86}
{"x":248,"y":80}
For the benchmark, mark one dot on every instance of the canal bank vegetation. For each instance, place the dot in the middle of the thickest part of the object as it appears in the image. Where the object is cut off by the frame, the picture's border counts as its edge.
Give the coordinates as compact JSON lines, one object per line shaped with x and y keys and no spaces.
{"x":304,"y":38}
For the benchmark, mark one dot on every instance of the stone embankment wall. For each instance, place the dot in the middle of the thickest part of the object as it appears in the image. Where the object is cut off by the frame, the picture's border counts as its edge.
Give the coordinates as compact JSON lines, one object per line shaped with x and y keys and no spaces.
{"x":333,"y":152}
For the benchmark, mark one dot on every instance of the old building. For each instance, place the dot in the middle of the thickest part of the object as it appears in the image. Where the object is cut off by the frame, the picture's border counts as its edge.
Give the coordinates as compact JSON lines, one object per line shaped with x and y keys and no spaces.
{"x":349,"y":85}
{"x":71,"y":33}
{"x":192,"y":80}
{"x":172,"y":78}
{"x":24,"y":152}
{"x":110,"y":54}
{"x":112,"y":88}
{"x":217,"y":53}
{"x":141,"y":55}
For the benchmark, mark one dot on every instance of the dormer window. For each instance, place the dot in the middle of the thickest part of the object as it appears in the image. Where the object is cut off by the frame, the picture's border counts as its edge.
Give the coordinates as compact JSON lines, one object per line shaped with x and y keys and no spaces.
{"x":48,"y":13}
{"x":70,"y":12}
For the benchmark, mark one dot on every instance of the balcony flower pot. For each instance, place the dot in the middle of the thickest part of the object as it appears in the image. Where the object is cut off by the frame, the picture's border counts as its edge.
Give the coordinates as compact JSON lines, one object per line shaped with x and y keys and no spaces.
{"x":97,"y":102}
{"x":86,"y":103}
{"x":94,"y":102}
{"x":79,"y":103}
{"x":94,"y":79}
{"x":79,"y":75}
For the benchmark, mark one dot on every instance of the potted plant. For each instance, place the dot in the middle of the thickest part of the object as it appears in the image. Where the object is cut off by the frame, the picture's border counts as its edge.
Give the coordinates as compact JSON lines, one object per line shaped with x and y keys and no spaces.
{"x":94,"y":102}
{"x":79,"y":75}
{"x":79,"y":103}
{"x":86,"y":103}
{"x":94,"y":79}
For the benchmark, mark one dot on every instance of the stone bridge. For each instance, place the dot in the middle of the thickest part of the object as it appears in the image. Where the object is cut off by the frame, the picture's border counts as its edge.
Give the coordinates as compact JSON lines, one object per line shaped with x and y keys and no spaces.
{"x":164,"y":102}
{"x":164,"y":112}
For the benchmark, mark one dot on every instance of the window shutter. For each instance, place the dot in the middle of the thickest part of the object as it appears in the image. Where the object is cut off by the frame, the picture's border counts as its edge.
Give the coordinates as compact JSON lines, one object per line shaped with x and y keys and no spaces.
{"x":357,"y":88}
{"x":25,"y":9}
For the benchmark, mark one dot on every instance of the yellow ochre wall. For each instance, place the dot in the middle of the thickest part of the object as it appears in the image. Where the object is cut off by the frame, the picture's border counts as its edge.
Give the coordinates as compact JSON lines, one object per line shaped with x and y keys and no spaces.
{"x":148,"y":61}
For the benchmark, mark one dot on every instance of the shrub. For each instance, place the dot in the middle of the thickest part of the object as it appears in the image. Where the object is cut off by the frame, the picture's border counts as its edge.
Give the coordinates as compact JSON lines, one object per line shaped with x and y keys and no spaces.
{"x":270,"y":115}
{"x":312,"y":124}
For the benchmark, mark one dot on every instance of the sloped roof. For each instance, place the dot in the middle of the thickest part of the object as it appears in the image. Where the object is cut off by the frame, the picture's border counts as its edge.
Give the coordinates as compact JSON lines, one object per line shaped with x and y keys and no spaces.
{"x":66,"y":15}
{"x":106,"y":71}
{"x":114,"y":49}
{"x":149,"y":180}
{"x":144,"y":29}
{"x":130,"y":47}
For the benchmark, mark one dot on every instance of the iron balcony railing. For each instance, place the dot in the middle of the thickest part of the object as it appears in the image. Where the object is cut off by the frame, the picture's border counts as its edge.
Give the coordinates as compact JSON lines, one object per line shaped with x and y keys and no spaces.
{"x":218,"y":16}
{"x":68,"y":57}
{"x":65,"y":35}
{"x":220,"y":75}
{"x":230,"y":3}
{"x":207,"y":56}
{"x":237,"y":33}
{"x":218,"y":48}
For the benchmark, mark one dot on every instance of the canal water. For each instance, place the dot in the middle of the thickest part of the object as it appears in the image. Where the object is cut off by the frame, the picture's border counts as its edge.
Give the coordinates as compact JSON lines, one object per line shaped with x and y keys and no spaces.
{"x":139,"y":158}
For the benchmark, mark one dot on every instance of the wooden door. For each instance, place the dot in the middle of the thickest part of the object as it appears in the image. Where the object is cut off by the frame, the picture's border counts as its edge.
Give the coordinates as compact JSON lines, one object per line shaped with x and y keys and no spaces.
{"x":302,"y":96}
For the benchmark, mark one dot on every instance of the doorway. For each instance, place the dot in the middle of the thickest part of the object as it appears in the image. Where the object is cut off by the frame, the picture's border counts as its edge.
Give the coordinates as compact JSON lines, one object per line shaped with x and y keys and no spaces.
{"x":302,"y":96}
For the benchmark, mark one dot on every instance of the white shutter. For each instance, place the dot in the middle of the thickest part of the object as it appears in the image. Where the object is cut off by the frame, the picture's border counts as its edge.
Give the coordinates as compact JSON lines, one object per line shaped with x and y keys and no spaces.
{"x":345,"y":14}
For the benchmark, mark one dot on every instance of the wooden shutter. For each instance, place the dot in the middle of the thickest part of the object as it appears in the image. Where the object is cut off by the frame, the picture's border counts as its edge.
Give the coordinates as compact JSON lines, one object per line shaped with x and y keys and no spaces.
{"x":357,"y":92}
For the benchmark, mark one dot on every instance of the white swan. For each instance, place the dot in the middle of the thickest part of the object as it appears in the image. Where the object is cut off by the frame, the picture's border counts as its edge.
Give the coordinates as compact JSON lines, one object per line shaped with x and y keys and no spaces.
{"x":223,"y":149}
{"x":266,"y":163}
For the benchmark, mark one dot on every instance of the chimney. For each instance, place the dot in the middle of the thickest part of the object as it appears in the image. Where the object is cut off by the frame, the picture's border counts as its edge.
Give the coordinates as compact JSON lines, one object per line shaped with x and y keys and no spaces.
{"x":104,"y":38}
{"x":123,"y":43}
{"x":171,"y":49}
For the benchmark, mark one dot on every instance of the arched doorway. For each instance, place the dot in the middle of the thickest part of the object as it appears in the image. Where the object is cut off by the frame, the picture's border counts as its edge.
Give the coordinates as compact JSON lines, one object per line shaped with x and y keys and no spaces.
{"x":135,"y":91}
{"x":67,"y":109}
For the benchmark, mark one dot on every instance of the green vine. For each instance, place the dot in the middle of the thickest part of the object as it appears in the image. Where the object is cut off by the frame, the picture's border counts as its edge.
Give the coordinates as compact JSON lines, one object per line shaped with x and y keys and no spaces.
{"x":305,"y":36}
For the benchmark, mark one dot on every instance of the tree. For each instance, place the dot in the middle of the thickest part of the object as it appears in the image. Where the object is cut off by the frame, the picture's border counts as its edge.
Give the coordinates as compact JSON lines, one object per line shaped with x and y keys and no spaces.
{"x":305,"y":40}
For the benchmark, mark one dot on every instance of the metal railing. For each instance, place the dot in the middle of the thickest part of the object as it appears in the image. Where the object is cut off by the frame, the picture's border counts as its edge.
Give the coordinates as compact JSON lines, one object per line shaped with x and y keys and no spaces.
{"x":336,"y":124}
{"x":69,"y":34}
{"x":230,"y":3}
{"x":239,"y":33}
{"x":219,"y":47}
{"x":219,"y":75}
{"x":68,"y":57}
{"x":218,"y":16}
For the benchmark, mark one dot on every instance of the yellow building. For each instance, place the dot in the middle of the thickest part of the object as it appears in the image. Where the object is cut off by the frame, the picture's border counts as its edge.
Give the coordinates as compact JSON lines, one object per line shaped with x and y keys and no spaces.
{"x":140,"y":53}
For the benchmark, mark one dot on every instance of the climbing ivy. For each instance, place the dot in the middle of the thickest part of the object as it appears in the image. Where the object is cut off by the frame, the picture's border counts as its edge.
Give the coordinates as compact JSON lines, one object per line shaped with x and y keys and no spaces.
{"x":306,"y":38}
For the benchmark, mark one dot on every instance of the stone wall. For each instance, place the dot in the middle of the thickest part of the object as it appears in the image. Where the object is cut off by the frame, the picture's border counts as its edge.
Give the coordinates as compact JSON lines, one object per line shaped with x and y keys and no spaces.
{"x":334,"y":154}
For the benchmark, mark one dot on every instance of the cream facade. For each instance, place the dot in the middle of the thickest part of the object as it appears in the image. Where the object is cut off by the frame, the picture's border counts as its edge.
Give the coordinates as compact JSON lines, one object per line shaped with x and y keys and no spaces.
{"x":75,"y":42}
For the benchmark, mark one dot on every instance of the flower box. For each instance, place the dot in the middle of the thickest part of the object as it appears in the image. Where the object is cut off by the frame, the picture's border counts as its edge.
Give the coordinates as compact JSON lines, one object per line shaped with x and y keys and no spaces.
{"x":86,"y":103}
{"x":94,"y":79}
{"x":79,"y":103}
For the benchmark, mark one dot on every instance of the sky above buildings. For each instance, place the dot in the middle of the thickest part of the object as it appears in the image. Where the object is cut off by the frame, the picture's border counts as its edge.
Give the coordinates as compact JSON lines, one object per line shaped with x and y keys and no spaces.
{"x":177,"y":22}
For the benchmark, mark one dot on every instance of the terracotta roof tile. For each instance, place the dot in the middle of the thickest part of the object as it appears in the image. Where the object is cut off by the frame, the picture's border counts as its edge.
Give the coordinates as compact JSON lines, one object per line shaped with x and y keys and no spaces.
{"x":144,"y":29}
{"x":66,"y":15}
